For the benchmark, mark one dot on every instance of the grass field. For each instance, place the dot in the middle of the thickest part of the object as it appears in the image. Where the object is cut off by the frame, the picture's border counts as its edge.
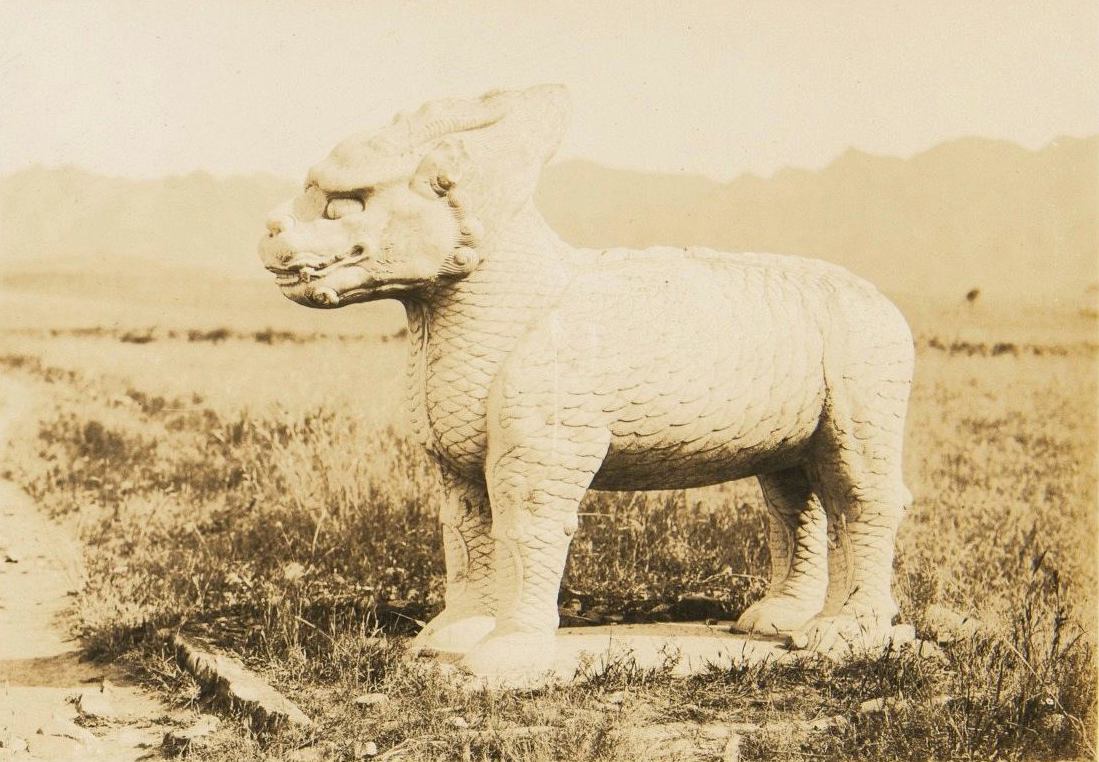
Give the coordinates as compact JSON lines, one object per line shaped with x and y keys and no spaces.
{"x":257,"y":489}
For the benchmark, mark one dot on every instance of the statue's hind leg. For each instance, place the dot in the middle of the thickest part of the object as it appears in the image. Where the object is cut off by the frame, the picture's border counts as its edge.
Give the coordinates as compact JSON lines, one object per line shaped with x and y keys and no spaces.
{"x":862,"y":524}
{"x":799,"y":566}
{"x":470,"y":585}
{"x":854,"y":465}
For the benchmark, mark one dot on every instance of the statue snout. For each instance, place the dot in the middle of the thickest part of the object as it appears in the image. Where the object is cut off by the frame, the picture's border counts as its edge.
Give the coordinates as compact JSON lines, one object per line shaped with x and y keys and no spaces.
{"x":280,"y":219}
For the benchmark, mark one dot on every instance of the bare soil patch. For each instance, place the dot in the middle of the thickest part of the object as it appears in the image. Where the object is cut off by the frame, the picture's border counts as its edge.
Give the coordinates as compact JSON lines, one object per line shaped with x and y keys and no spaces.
{"x":54,"y":704}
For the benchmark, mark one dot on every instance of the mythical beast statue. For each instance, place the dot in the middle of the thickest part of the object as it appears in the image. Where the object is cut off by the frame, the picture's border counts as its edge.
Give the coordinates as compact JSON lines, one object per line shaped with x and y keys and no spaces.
{"x":539,"y":371}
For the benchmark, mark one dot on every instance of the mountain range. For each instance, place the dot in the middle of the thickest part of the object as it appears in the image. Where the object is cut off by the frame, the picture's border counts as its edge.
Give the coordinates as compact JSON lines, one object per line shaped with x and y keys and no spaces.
{"x":969,"y":213}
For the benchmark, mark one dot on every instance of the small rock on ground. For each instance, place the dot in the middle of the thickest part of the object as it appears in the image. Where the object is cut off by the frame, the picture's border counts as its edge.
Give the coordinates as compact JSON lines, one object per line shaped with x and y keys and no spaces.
{"x":372,"y":700}
{"x":187,"y":739}
{"x":96,"y":703}
{"x":65,"y":728}
{"x":365,"y":750}
{"x":616,"y":698}
{"x":878,"y":705}
{"x":949,"y":626}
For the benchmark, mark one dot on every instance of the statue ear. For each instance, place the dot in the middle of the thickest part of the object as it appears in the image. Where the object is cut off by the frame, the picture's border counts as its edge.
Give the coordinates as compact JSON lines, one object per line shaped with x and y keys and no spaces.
{"x":440,"y":169}
{"x":552,"y":108}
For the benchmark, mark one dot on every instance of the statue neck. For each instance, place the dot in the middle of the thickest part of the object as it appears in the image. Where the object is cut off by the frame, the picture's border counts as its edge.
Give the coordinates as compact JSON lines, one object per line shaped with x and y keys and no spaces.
{"x":526,"y":236}
{"x":462,"y":332}
{"x":524,"y":265}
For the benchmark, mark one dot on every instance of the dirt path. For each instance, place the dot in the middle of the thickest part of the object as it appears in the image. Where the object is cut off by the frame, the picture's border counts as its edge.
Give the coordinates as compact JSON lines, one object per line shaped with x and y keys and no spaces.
{"x":41,"y":672}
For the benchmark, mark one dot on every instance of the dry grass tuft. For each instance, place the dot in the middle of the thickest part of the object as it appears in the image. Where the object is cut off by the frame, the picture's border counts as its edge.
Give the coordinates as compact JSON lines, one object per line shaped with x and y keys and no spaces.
{"x":298,"y":531}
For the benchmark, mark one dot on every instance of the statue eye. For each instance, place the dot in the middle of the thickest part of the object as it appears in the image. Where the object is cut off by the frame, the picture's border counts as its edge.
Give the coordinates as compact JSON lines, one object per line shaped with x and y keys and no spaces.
{"x":341,"y":207}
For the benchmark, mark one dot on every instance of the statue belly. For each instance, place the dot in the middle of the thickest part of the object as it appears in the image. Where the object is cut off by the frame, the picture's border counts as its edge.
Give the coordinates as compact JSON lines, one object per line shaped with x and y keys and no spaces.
{"x":717,"y":449}
{"x":712,"y":394}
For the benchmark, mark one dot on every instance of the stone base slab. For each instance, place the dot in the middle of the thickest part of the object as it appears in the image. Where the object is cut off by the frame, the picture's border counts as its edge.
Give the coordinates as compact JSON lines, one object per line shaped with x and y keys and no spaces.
{"x":681,"y":649}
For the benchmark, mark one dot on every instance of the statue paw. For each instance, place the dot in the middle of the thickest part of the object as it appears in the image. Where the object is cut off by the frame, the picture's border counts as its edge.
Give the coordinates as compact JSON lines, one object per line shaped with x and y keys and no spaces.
{"x":512,"y":660}
{"x":774,"y":614}
{"x":844,"y":635}
{"x":453,"y":632}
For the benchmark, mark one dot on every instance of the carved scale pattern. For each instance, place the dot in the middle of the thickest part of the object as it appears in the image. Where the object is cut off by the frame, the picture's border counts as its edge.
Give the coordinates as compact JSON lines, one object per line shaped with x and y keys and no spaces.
{"x":549,"y":371}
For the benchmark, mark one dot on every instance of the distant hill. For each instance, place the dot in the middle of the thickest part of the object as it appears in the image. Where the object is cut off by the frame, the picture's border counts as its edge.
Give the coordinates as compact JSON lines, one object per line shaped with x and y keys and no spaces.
{"x":970,"y":213}
{"x":196,"y":220}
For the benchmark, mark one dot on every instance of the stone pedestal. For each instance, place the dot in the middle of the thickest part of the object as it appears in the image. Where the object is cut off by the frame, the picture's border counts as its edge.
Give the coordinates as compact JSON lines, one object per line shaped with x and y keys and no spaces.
{"x":680,"y":648}
{"x":683,"y":648}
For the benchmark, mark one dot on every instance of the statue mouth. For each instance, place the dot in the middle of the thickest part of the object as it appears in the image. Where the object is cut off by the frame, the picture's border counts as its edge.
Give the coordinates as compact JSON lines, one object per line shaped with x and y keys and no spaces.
{"x":308,"y":266}
{"x":322,"y":282}
{"x":313,"y":282}
{"x":289,"y":277}
{"x":292,"y":277}
{"x":336,"y":286}
{"x":312,"y":293}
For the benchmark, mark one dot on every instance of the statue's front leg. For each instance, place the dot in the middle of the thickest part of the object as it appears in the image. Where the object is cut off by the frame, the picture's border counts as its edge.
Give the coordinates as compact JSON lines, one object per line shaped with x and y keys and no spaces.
{"x":536,"y":490}
{"x":469,"y":612}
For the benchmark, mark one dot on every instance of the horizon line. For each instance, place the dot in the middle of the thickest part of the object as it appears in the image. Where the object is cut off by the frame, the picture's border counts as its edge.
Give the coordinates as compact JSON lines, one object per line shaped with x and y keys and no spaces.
{"x":557,"y":160}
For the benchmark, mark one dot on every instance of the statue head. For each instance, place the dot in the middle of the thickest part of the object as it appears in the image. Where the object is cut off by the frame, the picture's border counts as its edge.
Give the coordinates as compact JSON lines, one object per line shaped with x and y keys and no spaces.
{"x":394,"y":212}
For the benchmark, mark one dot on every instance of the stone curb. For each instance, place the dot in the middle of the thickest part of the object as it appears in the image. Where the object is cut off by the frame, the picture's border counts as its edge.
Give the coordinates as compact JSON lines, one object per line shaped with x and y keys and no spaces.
{"x":236,"y":688}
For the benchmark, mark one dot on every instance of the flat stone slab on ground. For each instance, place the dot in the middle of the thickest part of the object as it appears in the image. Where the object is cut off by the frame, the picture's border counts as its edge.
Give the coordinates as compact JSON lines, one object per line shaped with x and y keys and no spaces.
{"x":686,"y":648}
{"x":236,"y":686}
{"x":682,"y":648}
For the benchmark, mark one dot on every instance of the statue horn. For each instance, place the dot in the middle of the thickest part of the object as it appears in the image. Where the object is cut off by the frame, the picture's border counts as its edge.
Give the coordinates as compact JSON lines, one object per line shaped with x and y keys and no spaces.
{"x":433,"y":120}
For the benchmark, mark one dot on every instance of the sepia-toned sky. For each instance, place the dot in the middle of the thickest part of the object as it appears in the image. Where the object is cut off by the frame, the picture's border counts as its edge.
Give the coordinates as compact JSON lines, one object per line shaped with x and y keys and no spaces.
{"x":145,"y":87}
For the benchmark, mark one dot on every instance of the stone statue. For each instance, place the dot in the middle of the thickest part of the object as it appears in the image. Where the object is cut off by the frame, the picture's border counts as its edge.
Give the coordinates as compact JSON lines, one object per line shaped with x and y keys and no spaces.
{"x":539,"y":371}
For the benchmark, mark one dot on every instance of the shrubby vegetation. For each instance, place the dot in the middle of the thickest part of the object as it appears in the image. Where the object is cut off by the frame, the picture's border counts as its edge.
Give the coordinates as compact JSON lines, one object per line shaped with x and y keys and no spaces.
{"x":300,"y":534}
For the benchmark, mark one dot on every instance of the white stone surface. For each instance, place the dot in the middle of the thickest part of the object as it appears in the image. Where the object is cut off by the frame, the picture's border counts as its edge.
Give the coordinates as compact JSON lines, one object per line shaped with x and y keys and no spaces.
{"x":683,"y":648}
{"x":538,"y":370}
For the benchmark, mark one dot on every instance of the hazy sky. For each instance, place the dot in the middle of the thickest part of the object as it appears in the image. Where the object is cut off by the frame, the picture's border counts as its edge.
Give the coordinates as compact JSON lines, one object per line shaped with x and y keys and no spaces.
{"x":145,"y":88}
